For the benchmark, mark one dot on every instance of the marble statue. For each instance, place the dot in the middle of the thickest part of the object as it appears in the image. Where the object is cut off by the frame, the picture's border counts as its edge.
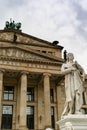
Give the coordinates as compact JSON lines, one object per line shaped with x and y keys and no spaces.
{"x":68,"y":126}
{"x":74,"y":78}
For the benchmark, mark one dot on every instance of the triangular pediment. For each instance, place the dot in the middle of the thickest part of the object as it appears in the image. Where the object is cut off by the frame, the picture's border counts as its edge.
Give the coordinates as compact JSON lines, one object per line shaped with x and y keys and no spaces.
{"x":24,"y":39}
{"x":23,"y":54}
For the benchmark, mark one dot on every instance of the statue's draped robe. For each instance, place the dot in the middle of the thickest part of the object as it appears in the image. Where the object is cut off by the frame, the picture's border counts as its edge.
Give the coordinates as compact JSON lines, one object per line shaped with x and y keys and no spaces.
{"x":73,"y":86}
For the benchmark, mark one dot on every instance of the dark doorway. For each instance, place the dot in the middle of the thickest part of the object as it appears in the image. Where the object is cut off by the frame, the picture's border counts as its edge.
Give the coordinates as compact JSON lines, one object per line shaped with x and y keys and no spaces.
{"x":30,"y":117}
{"x":7,"y":117}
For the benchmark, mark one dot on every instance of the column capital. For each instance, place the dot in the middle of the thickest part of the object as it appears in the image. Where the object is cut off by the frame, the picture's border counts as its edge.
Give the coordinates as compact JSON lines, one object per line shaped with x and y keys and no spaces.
{"x":2,"y":70}
{"x":46,"y":74}
{"x":24,"y":72}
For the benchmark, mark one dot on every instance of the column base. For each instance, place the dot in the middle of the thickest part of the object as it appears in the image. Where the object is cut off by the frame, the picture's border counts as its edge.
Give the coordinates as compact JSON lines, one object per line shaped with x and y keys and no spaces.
{"x":23,"y":128}
{"x":76,"y":122}
{"x":48,"y":126}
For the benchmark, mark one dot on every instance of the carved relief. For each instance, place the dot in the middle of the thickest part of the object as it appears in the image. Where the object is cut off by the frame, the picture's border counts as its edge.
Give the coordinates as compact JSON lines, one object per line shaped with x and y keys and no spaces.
{"x":19,"y":54}
{"x":6,"y":36}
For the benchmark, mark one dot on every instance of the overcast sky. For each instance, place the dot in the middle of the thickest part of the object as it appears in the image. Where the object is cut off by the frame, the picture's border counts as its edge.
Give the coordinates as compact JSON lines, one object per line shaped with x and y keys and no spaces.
{"x":62,"y":20}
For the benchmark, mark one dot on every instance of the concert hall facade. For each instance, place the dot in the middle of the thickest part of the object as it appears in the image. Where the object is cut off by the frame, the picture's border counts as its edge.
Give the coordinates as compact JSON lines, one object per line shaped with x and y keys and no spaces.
{"x":31,"y":84}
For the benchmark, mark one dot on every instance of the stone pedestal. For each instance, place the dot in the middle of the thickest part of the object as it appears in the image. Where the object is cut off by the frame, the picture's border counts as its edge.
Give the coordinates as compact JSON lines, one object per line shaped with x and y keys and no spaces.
{"x":79,"y":122}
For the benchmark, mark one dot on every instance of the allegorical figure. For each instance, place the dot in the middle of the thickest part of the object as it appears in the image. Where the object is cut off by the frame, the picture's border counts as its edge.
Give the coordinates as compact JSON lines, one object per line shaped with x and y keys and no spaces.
{"x":74,"y":78}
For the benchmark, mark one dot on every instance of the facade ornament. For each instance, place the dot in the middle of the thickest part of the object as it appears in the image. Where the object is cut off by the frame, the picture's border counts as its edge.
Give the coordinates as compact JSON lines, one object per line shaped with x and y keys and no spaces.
{"x":65,"y":55}
{"x":15,"y":38}
{"x":12,"y":25}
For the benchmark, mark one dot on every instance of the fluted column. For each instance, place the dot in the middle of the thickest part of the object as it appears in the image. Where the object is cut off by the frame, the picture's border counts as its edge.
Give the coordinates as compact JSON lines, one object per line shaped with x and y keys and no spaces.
{"x":1,"y":86}
{"x":23,"y":100}
{"x":47,"y":99}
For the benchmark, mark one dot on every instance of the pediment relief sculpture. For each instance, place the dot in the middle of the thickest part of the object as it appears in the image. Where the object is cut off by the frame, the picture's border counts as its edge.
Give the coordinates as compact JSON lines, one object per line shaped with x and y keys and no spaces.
{"x":19,"y":54}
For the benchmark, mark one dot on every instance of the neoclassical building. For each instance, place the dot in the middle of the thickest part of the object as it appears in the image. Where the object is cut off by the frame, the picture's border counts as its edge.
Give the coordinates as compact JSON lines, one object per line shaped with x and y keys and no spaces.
{"x":32,"y":93}
{"x":31,"y":87}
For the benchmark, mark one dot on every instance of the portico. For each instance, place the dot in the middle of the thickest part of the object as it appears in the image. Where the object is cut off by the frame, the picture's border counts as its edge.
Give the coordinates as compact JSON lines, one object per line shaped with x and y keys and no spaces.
{"x":18,"y":101}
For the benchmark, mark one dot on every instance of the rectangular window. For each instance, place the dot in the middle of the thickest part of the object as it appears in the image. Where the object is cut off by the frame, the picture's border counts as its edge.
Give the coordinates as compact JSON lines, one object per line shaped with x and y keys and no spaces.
{"x":44,"y":51}
{"x":49,"y":52}
{"x":6,"y":117}
{"x":30,"y":117}
{"x":51,"y":95}
{"x":52,"y":118}
{"x":8,"y":93}
{"x":30,"y":94}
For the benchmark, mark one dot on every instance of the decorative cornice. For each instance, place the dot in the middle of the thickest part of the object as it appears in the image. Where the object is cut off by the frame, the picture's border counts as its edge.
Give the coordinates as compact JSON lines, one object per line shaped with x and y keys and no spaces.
{"x":30,"y":61}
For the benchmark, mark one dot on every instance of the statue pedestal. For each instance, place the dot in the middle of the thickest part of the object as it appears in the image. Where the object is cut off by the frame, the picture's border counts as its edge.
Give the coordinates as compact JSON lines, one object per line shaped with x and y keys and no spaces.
{"x":79,"y":122}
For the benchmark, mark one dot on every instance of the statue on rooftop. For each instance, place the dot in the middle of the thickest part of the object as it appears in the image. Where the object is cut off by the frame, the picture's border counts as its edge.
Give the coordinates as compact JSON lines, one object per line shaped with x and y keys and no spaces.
{"x":12,"y":25}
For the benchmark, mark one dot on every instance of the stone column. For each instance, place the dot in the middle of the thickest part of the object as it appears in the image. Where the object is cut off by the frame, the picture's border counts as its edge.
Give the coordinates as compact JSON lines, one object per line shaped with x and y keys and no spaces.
{"x":23,"y":101}
{"x":1,"y":86}
{"x":47,"y":100}
{"x":40,"y":107}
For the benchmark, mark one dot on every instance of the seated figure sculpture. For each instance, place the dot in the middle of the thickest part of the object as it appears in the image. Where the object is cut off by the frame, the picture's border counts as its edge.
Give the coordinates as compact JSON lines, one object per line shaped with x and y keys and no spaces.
{"x":74,"y":78}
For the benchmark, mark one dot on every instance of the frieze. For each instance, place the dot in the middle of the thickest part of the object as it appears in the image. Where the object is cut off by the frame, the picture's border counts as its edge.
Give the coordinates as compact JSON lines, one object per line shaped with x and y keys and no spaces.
{"x":13,"y":63}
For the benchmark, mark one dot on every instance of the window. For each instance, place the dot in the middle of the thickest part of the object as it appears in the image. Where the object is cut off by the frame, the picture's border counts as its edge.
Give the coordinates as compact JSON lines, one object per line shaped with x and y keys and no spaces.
{"x":49,"y":52}
{"x":51,"y":95}
{"x":30,"y":94}
{"x":30,"y":117}
{"x":44,"y":51}
{"x":8,"y":93}
{"x":6,"y":117}
{"x":52,"y":118}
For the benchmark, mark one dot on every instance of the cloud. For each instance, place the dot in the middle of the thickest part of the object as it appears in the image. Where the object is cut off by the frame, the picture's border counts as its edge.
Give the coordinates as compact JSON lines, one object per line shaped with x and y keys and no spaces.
{"x":62,"y":20}
{"x":83,"y":4}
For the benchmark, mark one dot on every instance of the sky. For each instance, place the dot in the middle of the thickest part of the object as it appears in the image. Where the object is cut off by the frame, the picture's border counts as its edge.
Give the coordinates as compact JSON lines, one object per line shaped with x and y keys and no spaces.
{"x":61,"y":20}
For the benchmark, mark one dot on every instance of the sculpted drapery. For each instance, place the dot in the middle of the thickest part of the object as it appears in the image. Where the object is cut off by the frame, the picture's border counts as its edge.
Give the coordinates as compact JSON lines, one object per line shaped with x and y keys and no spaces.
{"x":74,"y":77}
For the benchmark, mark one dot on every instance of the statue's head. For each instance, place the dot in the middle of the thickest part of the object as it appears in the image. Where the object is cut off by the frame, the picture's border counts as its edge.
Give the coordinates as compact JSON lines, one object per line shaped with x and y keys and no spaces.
{"x":70,"y":57}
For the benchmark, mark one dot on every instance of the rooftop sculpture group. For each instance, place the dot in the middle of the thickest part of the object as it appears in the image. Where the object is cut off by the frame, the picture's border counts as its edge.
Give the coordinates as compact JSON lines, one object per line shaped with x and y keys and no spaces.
{"x":12,"y":25}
